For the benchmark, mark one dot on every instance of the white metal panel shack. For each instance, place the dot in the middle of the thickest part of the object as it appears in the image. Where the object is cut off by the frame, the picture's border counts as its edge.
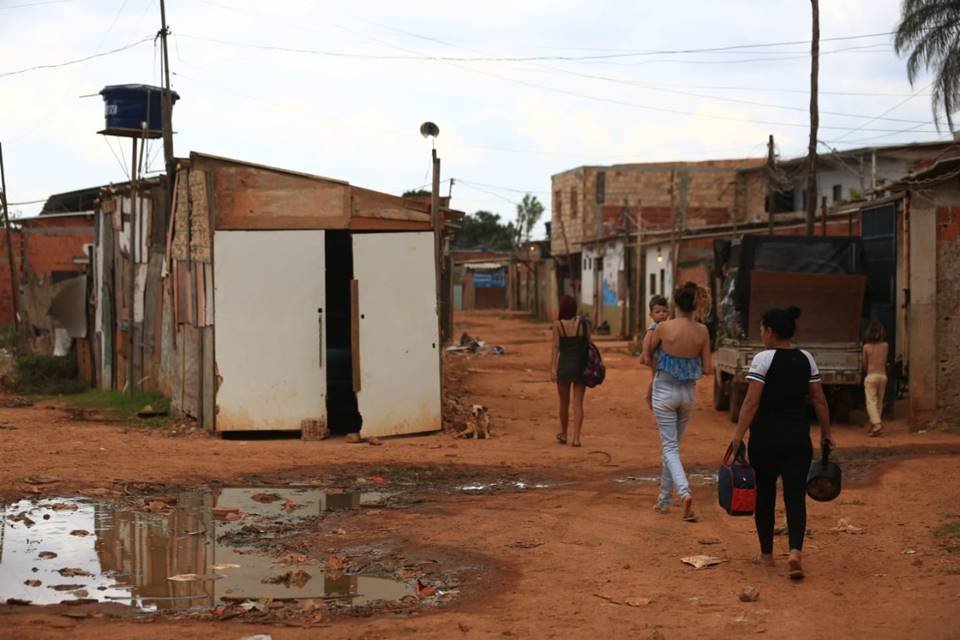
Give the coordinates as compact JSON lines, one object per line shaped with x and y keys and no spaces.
{"x":294,"y":297}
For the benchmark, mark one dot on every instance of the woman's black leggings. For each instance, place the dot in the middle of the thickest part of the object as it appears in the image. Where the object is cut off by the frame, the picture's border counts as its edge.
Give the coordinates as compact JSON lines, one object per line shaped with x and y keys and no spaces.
{"x":792,"y":465}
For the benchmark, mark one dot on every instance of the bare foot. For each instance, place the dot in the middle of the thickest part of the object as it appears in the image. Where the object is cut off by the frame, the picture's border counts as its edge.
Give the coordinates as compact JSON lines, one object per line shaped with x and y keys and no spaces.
{"x":794,"y":566}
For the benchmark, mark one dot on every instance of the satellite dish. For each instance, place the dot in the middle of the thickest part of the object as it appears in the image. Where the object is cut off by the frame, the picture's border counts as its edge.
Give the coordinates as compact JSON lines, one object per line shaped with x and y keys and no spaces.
{"x":429,"y":130}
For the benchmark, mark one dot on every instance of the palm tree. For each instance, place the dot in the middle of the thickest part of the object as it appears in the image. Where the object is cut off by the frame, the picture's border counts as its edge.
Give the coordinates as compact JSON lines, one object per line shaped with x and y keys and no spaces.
{"x":930,"y":31}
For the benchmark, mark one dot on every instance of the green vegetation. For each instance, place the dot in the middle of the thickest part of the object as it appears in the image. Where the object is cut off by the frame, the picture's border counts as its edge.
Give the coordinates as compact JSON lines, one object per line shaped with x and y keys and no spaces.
{"x":45,"y":375}
{"x":949,"y":530}
{"x":8,"y":339}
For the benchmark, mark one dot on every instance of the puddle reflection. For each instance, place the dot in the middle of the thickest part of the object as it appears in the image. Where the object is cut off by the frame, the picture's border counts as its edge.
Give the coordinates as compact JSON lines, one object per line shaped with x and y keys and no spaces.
{"x":130,"y":554}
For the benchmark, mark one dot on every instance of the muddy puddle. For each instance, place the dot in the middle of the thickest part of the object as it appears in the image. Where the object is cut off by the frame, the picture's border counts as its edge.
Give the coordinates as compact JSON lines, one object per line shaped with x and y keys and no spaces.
{"x":198,"y":548}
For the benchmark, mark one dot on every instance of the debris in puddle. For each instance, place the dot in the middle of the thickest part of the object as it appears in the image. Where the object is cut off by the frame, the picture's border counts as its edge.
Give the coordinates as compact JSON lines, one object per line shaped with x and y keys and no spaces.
{"x":65,"y":587}
{"x":295,"y":579}
{"x":334,"y":564}
{"x":72,"y":572}
{"x":155,"y":506}
{"x":20,"y":602}
{"x":701,"y":561}
{"x":289,"y":505}
{"x":46,"y":555}
{"x":22,"y":518}
{"x":62,"y":506}
{"x":293,"y":558}
{"x":32,"y":583}
{"x":749,"y":594}
{"x":80,"y":533}
{"x":193,"y":577}
{"x":233,"y":516}
{"x":424,"y":590}
{"x":222,"y":512}
{"x":265,"y":497}
{"x":225,"y":565}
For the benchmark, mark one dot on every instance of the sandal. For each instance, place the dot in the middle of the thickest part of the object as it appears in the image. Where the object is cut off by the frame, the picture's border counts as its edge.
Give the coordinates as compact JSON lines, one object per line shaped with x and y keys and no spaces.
{"x":562,"y":439}
{"x":875,"y":431}
{"x":688,"y":514}
{"x":795,"y":569}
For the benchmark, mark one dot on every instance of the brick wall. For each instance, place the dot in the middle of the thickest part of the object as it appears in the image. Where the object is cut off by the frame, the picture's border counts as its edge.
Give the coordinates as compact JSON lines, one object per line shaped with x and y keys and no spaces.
{"x":6,"y":294}
{"x":653,"y":193}
{"x":948,"y":314}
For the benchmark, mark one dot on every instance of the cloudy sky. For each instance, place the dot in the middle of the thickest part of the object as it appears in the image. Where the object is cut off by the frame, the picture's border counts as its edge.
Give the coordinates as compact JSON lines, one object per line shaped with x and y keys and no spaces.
{"x":521,"y":89}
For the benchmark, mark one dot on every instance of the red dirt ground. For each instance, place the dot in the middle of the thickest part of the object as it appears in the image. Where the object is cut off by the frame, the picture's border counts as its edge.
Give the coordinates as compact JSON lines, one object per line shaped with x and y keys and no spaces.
{"x":601,"y":541}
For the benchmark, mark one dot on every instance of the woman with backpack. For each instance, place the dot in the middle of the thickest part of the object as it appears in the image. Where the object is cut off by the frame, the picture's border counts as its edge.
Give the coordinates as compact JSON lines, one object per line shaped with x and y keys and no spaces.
{"x":679,"y":354}
{"x":571,"y":335}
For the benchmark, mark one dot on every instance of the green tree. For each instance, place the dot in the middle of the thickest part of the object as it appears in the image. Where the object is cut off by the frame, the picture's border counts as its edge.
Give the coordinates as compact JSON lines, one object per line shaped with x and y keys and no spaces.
{"x":930,"y":31}
{"x":484,"y":229}
{"x":529,"y":212}
{"x":416,"y":193}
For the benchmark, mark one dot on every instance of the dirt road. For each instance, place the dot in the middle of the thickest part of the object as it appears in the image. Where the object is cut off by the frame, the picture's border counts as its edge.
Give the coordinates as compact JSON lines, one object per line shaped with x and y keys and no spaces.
{"x":583,"y":556}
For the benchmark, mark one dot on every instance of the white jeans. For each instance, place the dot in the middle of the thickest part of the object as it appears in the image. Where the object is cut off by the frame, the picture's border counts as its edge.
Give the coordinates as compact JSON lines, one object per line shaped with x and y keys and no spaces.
{"x":672,"y":405}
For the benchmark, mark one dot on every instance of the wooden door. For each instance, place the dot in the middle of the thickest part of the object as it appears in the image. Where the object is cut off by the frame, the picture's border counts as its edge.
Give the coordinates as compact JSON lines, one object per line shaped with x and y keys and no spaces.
{"x":269,"y":299}
{"x":396,"y":343}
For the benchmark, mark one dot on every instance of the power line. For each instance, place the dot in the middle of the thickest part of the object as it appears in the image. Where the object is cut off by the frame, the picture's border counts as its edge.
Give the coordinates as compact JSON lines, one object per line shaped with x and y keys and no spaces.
{"x":33,"y":4}
{"x":17,"y":204}
{"x":890,"y":110}
{"x":113,"y":23}
{"x":78,"y":60}
{"x":493,"y":186}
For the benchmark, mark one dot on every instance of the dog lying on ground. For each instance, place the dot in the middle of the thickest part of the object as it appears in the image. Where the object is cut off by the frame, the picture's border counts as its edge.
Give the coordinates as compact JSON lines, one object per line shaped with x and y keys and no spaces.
{"x":478,"y":424}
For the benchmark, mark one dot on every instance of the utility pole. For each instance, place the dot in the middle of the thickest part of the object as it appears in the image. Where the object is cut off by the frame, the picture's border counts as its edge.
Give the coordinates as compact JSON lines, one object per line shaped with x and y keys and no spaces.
{"x":450,"y":190}
{"x":167,"y":98}
{"x":772,"y":186}
{"x":814,"y":119}
{"x":132,"y":265}
{"x":14,"y":288}
{"x":435,"y":218}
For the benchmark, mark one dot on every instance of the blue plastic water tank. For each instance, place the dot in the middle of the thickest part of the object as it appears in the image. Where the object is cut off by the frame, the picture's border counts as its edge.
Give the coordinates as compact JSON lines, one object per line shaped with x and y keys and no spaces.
{"x":126,"y":106}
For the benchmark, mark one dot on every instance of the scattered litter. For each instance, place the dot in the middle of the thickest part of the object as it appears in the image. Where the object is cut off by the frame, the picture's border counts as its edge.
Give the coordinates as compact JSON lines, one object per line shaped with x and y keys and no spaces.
{"x":289,"y":505}
{"x":15,"y":402}
{"x":749,"y":594}
{"x":377,"y":480}
{"x":497,"y":351}
{"x":32,"y":583}
{"x":845,"y":527}
{"x":66,"y":587}
{"x":638,"y":602}
{"x":225,"y":565}
{"x":293,"y":558}
{"x":149,"y":412}
{"x":80,"y":533}
{"x":41,"y":479}
{"x":251,"y":605}
{"x":46,"y":555}
{"x":701,"y":561}
{"x":72,"y":572}
{"x":526,"y":544}
{"x":155,"y":506}
{"x":608,"y":599}
{"x":909,"y":552}
{"x":18,"y":602}
{"x":259,"y":636}
{"x":335,"y":564}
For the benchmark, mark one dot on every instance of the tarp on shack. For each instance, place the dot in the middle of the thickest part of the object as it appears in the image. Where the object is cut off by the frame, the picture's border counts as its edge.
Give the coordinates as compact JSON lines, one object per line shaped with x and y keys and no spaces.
{"x":740,"y":259}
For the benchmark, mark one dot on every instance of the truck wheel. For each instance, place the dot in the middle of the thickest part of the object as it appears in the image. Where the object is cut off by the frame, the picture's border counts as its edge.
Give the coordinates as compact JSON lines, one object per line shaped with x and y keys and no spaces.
{"x":721,"y":392}
{"x":840,"y":402}
{"x":738,"y":392}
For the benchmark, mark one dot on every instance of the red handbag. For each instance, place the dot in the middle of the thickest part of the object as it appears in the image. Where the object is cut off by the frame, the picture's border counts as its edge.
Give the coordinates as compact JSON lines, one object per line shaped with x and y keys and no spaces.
{"x":737,"y":484}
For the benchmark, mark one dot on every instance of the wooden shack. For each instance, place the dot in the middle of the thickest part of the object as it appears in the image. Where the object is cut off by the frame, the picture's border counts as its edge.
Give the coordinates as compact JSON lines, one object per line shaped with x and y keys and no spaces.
{"x":289,"y":297}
